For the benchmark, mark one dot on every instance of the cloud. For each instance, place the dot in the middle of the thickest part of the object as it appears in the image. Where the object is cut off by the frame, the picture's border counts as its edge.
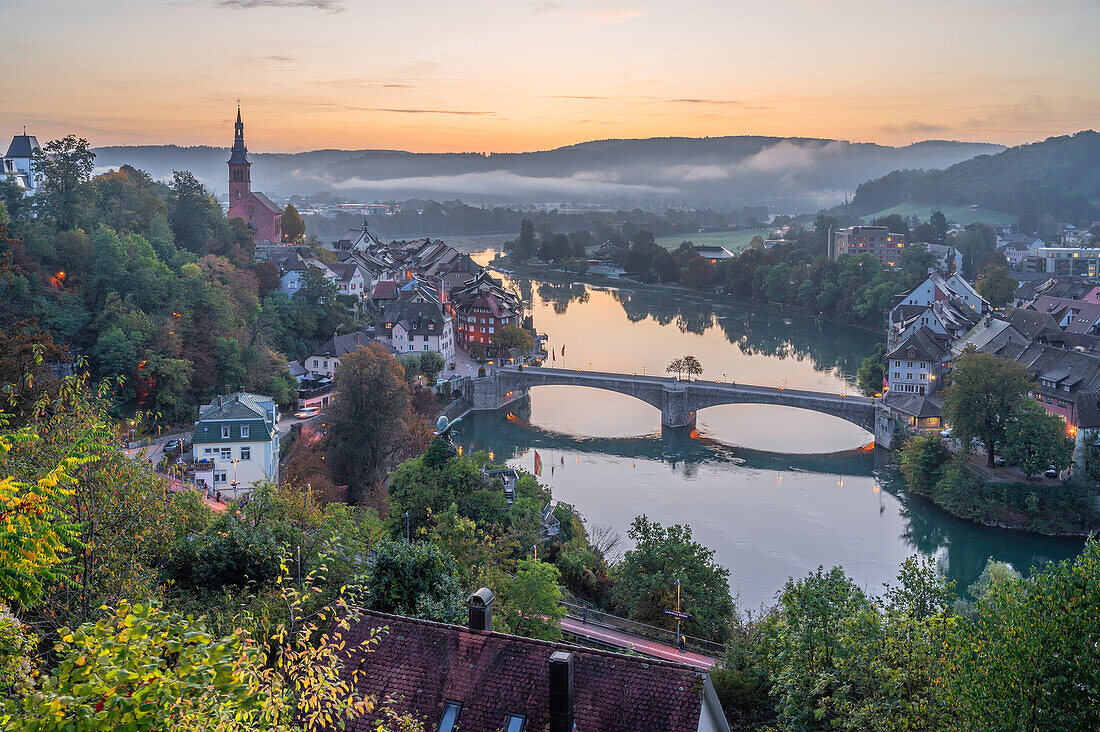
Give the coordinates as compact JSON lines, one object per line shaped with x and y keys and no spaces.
{"x":581,"y":185}
{"x":597,"y":15}
{"x":281,"y":58}
{"x":329,"y":6}
{"x":707,"y":101}
{"x":422,"y":111}
{"x":786,"y":155}
{"x":914,"y":127}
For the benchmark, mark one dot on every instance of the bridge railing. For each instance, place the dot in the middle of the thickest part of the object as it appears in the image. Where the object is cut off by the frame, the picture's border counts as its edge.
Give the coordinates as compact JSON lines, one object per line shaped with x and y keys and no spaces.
{"x":643,"y":630}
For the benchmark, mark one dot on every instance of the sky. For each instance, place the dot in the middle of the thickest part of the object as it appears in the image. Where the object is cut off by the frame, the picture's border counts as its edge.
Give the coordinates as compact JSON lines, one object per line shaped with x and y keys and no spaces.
{"x":513,"y":75}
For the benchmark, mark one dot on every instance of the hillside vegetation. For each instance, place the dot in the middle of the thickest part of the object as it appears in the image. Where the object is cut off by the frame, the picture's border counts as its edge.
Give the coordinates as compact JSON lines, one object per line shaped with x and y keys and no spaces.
{"x":1058,"y":177}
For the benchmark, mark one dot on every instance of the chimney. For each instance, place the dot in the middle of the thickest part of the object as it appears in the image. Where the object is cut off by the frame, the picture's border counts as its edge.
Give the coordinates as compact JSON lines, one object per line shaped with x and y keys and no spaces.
{"x":481,"y":609}
{"x":561,"y":692}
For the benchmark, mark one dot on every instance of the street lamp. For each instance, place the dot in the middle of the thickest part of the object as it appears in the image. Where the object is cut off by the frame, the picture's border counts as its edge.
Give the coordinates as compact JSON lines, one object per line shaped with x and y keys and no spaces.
{"x":784,"y":384}
{"x":235,"y":482}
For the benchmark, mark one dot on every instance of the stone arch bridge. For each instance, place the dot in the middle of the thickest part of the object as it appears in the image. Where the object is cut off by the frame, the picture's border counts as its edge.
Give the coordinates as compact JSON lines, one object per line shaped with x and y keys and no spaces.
{"x":678,"y":400}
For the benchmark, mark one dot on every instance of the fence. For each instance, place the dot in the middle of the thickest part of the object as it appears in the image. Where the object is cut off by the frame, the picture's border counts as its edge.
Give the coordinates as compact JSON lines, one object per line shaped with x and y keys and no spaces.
{"x":643,"y":630}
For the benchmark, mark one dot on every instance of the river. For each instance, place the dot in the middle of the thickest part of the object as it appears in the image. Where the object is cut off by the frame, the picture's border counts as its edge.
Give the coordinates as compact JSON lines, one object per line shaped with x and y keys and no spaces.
{"x":774,"y":491}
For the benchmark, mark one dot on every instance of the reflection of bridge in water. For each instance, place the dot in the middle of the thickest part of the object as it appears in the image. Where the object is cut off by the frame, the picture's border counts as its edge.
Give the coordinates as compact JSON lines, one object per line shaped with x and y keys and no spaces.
{"x":678,"y":400}
{"x":676,"y":447}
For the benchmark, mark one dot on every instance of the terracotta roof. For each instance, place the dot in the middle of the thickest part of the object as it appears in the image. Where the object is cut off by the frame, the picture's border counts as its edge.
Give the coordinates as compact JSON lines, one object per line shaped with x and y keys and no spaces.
{"x":421,"y":664}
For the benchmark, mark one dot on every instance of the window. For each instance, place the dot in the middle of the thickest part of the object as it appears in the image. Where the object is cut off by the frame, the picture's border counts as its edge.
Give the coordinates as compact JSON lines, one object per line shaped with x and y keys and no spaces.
{"x":219,"y":476}
{"x":211,"y":451}
{"x":425,"y":346}
{"x":449,"y":720}
{"x":227,"y":453}
{"x":225,"y":432}
{"x":246,"y":453}
{"x":515,"y":723}
{"x":245,"y":430}
{"x":315,"y":363}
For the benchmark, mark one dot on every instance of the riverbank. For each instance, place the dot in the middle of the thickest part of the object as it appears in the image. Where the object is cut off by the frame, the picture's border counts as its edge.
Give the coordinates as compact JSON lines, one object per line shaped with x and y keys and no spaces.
{"x":557,"y":276}
{"x":1068,"y":510}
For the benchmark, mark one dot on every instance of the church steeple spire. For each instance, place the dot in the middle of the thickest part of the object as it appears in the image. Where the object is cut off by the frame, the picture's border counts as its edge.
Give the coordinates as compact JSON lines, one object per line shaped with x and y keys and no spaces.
{"x":240,"y":179}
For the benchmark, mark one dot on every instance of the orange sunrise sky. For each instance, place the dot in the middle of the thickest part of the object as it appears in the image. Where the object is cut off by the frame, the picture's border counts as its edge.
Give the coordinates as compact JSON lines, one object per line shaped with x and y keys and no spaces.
{"x":513,"y":76}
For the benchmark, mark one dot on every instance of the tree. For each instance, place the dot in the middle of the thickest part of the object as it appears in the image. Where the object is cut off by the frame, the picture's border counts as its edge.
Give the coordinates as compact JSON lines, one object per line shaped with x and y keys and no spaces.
{"x":292,"y":226}
{"x":1027,"y":663}
{"x":142,"y":665}
{"x":512,"y":336}
{"x":524,"y":246}
{"x":369,"y":420}
{"x":676,"y":366}
{"x":938,"y":222}
{"x":692,"y":367}
{"x":1035,"y":439}
{"x":872,"y":371}
{"x":698,"y":274}
{"x":916,"y":260}
{"x":66,"y":167}
{"x":431,"y":363}
{"x":414,"y":579}
{"x":984,"y":395}
{"x":646,"y":580}
{"x":532,"y":601}
{"x":193,"y":214}
{"x":997,"y":286}
{"x":922,"y":461}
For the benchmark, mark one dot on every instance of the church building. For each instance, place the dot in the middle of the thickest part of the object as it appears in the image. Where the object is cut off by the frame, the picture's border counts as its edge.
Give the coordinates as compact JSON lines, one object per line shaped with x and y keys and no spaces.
{"x":263,"y":217}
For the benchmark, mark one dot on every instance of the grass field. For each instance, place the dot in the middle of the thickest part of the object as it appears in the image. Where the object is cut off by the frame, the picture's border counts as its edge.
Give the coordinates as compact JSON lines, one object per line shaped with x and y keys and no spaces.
{"x":735,"y":241}
{"x":955,"y":214}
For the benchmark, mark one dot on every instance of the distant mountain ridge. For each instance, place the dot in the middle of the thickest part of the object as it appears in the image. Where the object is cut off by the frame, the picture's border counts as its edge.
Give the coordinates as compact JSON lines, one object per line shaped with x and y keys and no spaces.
{"x":785,"y":173}
{"x":1059,"y":176}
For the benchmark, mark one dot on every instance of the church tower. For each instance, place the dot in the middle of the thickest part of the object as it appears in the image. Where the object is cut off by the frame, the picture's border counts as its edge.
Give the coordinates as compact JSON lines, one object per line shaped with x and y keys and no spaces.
{"x":240,"y":179}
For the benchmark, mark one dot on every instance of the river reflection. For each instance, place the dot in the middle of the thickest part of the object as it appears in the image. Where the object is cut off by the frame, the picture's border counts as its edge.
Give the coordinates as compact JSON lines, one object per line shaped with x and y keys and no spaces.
{"x":767,"y":515}
{"x":774,"y":491}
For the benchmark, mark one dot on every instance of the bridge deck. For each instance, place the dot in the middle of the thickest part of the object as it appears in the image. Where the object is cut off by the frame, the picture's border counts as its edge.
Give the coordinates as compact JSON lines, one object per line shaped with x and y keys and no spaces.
{"x":669,"y":381}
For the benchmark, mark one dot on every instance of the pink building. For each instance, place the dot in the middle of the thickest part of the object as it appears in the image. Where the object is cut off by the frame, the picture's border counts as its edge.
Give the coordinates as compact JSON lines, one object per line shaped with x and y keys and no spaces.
{"x":263,"y":217}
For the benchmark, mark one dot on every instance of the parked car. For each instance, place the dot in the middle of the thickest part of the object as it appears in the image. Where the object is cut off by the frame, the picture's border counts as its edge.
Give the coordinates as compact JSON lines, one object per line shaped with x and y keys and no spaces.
{"x":175,"y":447}
{"x":1052,"y":472}
{"x":946,"y":434}
{"x":307,"y":412}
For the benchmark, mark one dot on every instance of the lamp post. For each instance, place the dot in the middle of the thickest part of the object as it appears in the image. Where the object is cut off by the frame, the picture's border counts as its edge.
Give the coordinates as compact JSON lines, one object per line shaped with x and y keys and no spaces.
{"x":785,"y":383}
{"x":678,"y":620}
{"x":235,"y":482}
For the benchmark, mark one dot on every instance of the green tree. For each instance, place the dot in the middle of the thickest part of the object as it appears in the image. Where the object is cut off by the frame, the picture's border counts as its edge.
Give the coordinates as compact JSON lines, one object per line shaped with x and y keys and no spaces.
{"x":414,"y":579}
{"x":676,"y":366}
{"x":1028,"y":663}
{"x":195,"y":217}
{"x":872,"y":371}
{"x":532,"y":601}
{"x":1035,"y":439}
{"x":292,"y":226}
{"x":698,"y":274}
{"x":512,"y":336}
{"x":939,"y":225}
{"x":984,"y":395}
{"x":369,"y":420}
{"x":645,"y":580}
{"x":431,"y":363}
{"x":524,"y":246}
{"x":997,"y":286}
{"x":922,"y":461}
{"x":66,"y":167}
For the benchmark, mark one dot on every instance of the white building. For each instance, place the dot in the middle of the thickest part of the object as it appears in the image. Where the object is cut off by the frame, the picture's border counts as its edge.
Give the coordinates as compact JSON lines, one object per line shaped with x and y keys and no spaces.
{"x":417,"y":327}
{"x":235,"y":443}
{"x":18,"y":165}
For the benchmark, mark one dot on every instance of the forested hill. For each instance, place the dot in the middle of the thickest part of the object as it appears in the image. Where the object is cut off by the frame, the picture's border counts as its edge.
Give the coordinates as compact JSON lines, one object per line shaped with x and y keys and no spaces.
{"x":1059,"y":176}
{"x":789,"y":174}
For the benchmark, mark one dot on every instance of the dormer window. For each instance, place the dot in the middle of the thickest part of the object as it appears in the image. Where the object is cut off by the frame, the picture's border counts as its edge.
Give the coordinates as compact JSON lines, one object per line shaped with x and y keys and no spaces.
{"x":225,"y":432}
{"x":244,"y":430}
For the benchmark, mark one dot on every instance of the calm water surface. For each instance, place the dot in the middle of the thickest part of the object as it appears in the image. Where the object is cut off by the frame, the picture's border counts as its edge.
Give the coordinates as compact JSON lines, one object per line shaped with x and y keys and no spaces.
{"x":775,"y":491}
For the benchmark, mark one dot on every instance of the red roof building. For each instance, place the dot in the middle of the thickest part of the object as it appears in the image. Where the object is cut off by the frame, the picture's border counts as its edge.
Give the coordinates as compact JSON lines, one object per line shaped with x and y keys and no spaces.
{"x":457,"y":678}
{"x":481,"y":308}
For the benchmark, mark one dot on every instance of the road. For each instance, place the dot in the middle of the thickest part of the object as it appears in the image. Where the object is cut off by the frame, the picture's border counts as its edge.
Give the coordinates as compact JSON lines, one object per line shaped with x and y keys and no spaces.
{"x":654,"y":649}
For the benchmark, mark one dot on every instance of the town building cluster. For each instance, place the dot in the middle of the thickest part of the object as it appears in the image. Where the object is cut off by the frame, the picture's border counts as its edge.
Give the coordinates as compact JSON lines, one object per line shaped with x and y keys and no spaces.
{"x":1053,"y":329}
